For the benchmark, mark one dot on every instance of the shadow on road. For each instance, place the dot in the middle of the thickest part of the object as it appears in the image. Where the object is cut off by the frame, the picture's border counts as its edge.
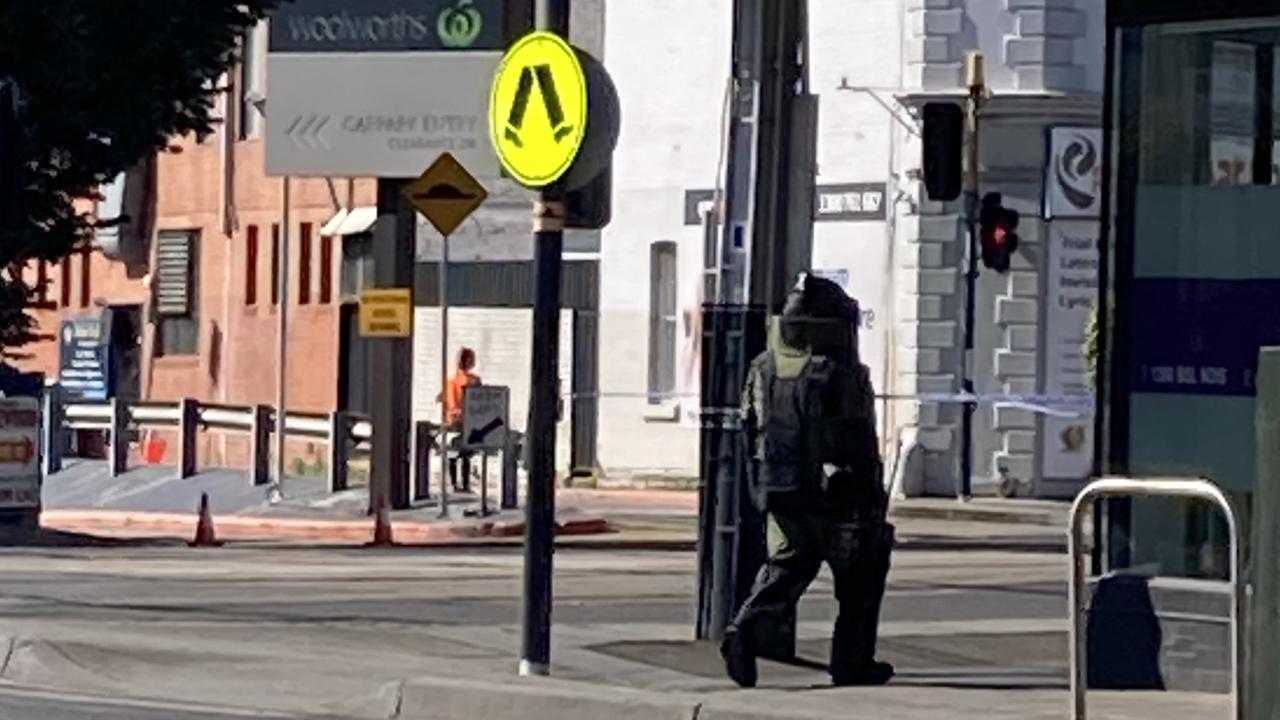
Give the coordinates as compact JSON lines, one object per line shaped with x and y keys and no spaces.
{"x":45,"y":538}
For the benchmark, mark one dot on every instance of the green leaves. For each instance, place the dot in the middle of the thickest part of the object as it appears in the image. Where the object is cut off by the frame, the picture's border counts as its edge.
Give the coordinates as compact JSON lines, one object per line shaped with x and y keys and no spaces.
{"x":106,"y":85}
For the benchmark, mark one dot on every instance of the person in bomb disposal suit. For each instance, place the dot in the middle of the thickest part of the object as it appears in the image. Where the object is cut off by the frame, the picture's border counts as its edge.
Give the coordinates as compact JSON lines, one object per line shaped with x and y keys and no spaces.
{"x":809,"y":416}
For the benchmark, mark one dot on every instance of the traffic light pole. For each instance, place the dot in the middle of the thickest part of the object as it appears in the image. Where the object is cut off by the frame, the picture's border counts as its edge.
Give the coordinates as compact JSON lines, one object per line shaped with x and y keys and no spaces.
{"x":977,"y":94}
{"x":540,"y":504}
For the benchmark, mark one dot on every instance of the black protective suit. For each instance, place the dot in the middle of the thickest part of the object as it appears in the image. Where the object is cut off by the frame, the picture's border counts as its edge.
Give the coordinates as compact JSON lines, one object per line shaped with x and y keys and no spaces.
{"x":809,"y":416}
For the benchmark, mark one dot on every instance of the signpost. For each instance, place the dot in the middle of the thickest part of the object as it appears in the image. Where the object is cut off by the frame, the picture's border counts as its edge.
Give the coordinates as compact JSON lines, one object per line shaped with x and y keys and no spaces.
{"x":538,"y":109}
{"x":485,"y":411}
{"x":381,"y":88}
{"x":446,"y":195}
{"x":549,"y":137}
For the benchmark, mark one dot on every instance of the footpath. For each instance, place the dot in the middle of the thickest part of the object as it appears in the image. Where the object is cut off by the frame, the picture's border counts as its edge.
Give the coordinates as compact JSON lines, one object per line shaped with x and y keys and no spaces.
{"x":149,"y":502}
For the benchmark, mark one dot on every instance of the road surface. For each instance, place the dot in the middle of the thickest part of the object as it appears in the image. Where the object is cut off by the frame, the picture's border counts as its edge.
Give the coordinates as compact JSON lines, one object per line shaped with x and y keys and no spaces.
{"x":323,"y":631}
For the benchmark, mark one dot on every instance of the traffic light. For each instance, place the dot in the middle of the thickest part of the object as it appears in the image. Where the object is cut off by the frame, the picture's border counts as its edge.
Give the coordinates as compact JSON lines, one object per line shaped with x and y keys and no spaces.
{"x":943,"y":140}
{"x":998,"y":233}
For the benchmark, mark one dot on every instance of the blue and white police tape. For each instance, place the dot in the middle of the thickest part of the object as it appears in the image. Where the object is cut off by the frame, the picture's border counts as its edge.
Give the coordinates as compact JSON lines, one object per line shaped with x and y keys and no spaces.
{"x":1060,"y":406}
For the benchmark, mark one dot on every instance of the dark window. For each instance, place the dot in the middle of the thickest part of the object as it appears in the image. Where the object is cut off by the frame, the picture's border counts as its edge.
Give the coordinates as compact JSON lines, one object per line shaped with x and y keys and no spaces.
{"x":304,"y":263}
{"x":357,"y":265}
{"x":275,"y":264}
{"x":85,"y":289}
{"x":251,"y":265}
{"x":326,"y":269}
{"x":176,"y":288}
{"x":662,"y":321}
{"x":42,"y":283}
{"x":64,"y":287}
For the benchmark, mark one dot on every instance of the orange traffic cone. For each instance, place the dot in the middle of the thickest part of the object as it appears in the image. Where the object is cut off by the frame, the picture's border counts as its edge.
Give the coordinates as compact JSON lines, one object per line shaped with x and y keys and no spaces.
{"x":382,"y":536}
{"x":205,"y":535}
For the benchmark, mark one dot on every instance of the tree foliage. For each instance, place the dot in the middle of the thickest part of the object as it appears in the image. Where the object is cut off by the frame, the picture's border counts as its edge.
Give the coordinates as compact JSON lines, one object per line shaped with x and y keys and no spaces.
{"x":105,"y":84}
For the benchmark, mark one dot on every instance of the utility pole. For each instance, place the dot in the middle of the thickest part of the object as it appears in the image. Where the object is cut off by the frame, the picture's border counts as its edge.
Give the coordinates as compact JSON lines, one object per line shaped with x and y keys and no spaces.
{"x":977,"y":97}
{"x":276,"y":493}
{"x":540,"y":503}
{"x":390,"y":366}
{"x":767,"y":214}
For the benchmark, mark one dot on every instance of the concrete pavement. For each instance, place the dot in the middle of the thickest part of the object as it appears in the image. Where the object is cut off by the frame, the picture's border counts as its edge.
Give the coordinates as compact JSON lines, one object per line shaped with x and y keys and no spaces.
{"x":148,"y":501}
{"x":26,"y":704}
{"x":413,"y":633}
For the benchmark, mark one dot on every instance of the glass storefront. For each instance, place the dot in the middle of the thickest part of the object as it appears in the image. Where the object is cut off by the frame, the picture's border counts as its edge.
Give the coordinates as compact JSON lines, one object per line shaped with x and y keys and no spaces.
{"x":1196,"y":256}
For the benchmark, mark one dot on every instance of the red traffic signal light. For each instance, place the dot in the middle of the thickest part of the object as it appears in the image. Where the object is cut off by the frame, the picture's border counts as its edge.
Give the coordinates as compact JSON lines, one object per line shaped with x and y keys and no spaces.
{"x":998,"y":233}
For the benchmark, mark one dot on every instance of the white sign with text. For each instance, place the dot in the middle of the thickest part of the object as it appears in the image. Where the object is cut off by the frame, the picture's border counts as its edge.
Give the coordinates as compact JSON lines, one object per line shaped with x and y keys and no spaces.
{"x":378,"y":115}
{"x":1072,"y":279}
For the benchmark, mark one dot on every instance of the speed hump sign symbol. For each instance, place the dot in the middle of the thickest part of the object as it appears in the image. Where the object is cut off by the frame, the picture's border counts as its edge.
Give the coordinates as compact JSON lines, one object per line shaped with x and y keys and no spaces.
{"x":538,"y":109}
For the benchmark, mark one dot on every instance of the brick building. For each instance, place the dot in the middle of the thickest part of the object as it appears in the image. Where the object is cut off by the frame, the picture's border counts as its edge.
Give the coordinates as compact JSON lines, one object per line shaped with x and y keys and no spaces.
{"x":206,"y":221}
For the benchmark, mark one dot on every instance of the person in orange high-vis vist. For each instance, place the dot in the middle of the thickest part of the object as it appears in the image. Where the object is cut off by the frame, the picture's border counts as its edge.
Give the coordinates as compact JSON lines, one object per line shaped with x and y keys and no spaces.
{"x":461,"y":378}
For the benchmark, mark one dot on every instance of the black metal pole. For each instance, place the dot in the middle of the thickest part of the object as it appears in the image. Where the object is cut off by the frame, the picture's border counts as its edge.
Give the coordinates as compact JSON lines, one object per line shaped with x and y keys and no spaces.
{"x":964,"y":483}
{"x":540,"y":505}
{"x":391,"y":358}
{"x":977,"y":94}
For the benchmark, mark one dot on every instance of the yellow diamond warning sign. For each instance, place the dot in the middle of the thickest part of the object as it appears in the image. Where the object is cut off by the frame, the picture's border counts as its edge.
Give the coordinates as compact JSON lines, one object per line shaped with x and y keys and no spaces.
{"x":386,"y":313}
{"x":446,"y":194}
{"x":538,"y":109}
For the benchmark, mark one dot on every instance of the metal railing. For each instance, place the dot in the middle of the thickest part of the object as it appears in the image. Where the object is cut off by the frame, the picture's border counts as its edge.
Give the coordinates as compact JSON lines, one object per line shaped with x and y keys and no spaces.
{"x":1154,"y":487}
{"x":347,"y":434}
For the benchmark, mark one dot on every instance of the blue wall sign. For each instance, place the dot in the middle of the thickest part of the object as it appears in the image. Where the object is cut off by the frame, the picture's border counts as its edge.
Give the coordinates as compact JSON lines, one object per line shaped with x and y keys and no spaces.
{"x":84,"y":367}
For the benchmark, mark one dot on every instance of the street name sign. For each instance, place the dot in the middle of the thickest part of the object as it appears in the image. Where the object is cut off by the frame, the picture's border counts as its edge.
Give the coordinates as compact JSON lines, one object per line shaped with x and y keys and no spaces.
{"x":485,"y":409}
{"x":538,"y":109}
{"x":446,"y":194}
{"x":386,"y":313}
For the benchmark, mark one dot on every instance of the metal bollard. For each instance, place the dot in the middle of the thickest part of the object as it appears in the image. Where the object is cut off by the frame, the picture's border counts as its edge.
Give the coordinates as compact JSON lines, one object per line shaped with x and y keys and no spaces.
{"x":510,"y":470}
{"x":339,"y":451}
{"x":52,"y":434}
{"x":118,"y":453}
{"x":423,"y":443}
{"x":260,"y":436}
{"x":188,"y":425}
{"x":1153,"y":487}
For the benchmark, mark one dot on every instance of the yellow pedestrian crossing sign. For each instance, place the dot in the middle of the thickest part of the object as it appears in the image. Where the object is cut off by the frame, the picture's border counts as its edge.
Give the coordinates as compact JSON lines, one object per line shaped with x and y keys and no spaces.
{"x":538,"y":109}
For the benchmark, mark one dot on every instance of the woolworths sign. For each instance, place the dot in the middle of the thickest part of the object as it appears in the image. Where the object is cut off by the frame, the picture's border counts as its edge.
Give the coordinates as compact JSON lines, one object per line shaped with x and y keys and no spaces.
{"x":345,"y":26}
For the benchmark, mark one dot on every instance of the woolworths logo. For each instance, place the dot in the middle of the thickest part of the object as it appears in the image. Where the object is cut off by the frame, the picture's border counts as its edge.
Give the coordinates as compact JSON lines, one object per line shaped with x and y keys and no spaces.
{"x":460,"y":25}
{"x":382,"y":24}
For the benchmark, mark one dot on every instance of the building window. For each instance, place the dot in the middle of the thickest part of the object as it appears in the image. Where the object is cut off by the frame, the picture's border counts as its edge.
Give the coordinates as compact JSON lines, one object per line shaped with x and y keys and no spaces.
{"x":326,"y":269}
{"x":357,"y":265}
{"x":64,"y":286}
{"x":275,"y":264}
{"x":249,"y":83}
{"x":251,"y":265}
{"x":304,"y":264}
{"x":662,"y":321}
{"x":85,"y":289}
{"x":177,"y":294}
{"x":42,"y":284}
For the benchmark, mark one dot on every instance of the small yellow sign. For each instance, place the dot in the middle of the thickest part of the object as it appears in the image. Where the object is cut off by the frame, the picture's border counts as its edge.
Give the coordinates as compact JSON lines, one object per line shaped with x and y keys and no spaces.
{"x":386,"y":313}
{"x":446,"y":194}
{"x":538,"y":109}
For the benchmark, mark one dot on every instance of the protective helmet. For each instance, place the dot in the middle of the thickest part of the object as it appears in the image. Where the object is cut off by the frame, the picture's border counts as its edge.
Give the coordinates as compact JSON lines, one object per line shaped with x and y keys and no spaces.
{"x":819,"y":316}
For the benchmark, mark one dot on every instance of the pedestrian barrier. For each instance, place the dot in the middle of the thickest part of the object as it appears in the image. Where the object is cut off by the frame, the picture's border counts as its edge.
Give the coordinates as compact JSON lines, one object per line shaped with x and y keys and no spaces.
{"x":1153,"y":487}
{"x":347,"y":434}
